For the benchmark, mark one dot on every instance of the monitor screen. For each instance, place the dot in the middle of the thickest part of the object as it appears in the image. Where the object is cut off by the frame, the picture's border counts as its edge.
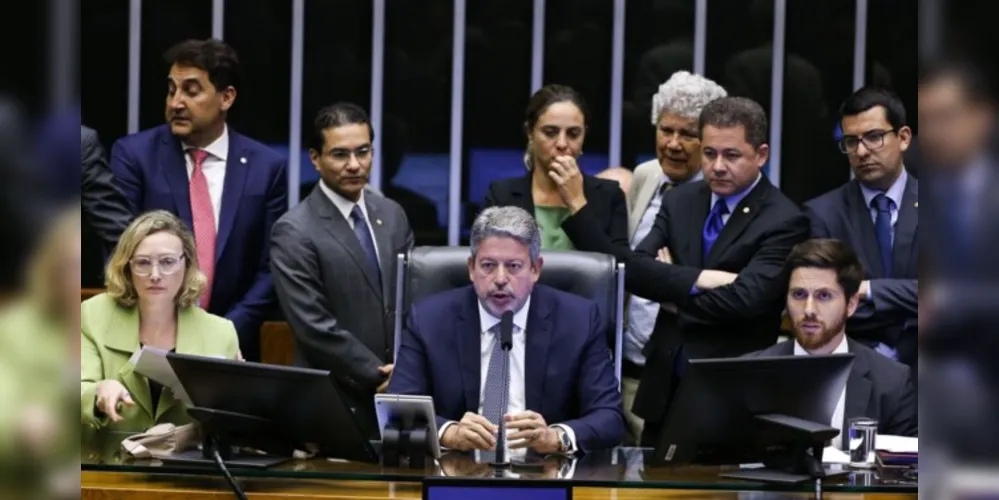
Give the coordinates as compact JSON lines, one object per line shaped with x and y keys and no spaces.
{"x":493,"y":491}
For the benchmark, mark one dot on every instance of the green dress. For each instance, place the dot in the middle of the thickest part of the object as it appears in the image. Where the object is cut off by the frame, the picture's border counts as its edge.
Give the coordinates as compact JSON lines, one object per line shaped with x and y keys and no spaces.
{"x":550,"y":220}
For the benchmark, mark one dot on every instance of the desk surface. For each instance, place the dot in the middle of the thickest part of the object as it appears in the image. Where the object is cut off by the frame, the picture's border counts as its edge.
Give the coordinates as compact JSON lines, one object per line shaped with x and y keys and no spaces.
{"x":622,"y":469}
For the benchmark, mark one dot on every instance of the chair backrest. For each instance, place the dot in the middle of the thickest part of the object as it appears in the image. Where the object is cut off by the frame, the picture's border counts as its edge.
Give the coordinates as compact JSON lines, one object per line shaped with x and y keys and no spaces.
{"x":429,"y":270}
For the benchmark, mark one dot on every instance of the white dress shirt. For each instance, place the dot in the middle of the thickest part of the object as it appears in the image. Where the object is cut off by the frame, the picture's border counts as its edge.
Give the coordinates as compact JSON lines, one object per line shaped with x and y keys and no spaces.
{"x":517,"y":402}
{"x":346,"y":206}
{"x":837,"y":418}
{"x":214,"y":169}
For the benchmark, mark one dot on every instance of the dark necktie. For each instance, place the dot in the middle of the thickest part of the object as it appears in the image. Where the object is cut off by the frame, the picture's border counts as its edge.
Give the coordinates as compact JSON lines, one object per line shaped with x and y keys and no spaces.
{"x":882,"y":230}
{"x":666,"y":186}
{"x":496,"y":397}
{"x":367,"y":242}
{"x":713,"y":226}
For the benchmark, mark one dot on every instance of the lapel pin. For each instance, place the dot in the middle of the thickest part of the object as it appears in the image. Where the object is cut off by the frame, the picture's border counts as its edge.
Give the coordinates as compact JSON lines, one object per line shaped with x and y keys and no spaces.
{"x":242,"y":160}
{"x":917,"y":204}
{"x":378,"y":221}
{"x":745,"y":210}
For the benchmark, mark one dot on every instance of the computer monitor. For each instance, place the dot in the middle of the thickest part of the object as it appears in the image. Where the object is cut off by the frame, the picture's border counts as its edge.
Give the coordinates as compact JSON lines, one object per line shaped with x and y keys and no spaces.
{"x":774,"y":410}
{"x":273,"y":408}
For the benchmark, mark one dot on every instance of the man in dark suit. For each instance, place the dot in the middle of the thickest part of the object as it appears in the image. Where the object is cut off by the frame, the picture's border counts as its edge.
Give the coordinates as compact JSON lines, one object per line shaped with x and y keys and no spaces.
{"x":105,"y":211}
{"x":714,"y":258}
{"x":206,"y":173}
{"x":877,"y":214}
{"x":560,"y":369}
{"x":333,"y":259}
{"x":823,"y":293}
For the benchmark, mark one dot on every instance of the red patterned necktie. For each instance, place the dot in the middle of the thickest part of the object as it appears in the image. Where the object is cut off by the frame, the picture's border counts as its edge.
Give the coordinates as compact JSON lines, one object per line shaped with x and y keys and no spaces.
{"x":203,"y":216}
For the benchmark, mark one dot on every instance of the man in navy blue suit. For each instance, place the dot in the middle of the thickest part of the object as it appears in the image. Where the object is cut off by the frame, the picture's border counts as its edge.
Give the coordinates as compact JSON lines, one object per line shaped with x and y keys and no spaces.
{"x":203,"y":171}
{"x":877,"y":214}
{"x":563,"y":396}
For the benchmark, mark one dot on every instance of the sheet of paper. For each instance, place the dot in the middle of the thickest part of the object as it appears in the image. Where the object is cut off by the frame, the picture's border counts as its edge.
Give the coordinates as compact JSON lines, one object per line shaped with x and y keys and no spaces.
{"x":897,"y":444}
{"x":152,"y":363}
{"x":832,"y":455}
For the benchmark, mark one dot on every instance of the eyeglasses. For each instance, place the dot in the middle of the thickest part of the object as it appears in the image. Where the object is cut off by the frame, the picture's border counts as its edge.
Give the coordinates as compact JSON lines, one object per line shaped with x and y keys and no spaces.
{"x":875,"y":139}
{"x":341,"y":156}
{"x":167,"y":264}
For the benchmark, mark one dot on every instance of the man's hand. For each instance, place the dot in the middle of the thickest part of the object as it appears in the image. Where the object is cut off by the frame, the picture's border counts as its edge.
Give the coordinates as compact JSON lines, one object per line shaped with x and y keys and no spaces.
{"x":710,"y":279}
{"x":532,"y":432}
{"x":664,"y":256}
{"x":473,"y":432}
{"x":387,"y":371}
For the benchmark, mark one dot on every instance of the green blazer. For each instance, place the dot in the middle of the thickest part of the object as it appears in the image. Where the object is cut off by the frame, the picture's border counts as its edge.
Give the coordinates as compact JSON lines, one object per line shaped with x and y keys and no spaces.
{"x":110,"y":336}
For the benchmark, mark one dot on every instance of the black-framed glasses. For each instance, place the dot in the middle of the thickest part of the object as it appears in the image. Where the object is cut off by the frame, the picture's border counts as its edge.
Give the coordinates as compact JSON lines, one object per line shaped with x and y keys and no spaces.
{"x":342,"y":155}
{"x":167,"y":264}
{"x":874,"y":139}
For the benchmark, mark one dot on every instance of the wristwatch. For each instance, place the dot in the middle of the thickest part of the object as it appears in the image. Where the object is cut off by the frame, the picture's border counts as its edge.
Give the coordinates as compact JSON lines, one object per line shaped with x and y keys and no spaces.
{"x":564,"y":443}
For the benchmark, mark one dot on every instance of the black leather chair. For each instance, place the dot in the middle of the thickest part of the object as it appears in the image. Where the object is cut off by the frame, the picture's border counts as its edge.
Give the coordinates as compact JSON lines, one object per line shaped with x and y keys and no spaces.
{"x":429,"y":270}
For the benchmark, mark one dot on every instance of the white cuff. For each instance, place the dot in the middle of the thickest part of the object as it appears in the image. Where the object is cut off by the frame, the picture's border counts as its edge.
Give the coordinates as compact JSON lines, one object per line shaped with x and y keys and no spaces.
{"x":572,"y":438}
{"x":440,"y":432}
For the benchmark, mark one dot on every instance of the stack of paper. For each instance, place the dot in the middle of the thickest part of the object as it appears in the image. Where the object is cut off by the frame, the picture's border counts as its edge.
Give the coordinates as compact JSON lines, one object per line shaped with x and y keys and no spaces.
{"x":152,"y":363}
{"x":897,"y":444}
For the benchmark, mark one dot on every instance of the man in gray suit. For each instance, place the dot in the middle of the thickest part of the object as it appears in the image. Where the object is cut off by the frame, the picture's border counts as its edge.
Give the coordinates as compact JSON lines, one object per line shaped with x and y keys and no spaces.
{"x":676,"y":108}
{"x":333,"y":262}
{"x":105,"y":210}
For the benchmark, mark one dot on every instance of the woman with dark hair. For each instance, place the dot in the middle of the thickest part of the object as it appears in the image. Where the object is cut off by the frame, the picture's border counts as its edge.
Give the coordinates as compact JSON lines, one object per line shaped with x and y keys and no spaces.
{"x":555,"y":125}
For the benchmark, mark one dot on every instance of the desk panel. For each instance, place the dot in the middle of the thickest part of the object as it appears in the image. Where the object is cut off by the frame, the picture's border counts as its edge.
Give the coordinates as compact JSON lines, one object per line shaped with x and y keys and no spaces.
{"x":135,"y":486}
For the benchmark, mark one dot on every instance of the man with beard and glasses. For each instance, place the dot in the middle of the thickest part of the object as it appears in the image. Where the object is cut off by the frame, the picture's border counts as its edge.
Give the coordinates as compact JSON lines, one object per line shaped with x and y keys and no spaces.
{"x":822,"y":295}
{"x":563,"y":396}
{"x":333,"y":260}
{"x":201,"y":170}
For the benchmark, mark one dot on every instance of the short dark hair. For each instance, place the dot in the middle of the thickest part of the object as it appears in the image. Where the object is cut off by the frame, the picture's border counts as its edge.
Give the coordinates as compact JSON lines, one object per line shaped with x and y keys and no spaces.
{"x":551,"y":94}
{"x":338,"y":115}
{"x":975,"y":83}
{"x":869,"y":97}
{"x":213,"y":56}
{"x":832,"y":254}
{"x":728,"y":112}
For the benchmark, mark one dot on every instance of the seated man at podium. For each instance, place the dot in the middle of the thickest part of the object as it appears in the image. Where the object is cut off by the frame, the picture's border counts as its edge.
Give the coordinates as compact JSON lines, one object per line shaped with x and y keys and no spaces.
{"x":825,"y":276}
{"x":562,"y":396}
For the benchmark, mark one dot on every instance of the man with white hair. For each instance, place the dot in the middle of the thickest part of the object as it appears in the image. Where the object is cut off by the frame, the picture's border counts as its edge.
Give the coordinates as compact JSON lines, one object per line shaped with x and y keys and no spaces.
{"x":675,"y":110}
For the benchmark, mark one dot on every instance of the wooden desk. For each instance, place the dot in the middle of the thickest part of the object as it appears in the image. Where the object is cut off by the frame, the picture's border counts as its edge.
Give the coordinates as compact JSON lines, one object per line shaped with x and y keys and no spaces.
{"x":135,"y":486}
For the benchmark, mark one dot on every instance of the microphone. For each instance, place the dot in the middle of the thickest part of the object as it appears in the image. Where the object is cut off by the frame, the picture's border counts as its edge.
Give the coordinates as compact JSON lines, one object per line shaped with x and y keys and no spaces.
{"x":506,"y":331}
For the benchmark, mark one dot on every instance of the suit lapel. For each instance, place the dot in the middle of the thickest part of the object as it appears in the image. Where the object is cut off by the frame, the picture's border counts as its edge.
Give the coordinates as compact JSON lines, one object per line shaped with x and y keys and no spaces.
{"x":382,"y":230}
{"x":342,"y":233}
{"x":174,"y":168}
{"x":641,"y":204}
{"x":858,"y":388}
{"x":236,"y":173}
{"x":538,"y":340}
{"x":189,"y":341}
{"x":738,"y":221}
{"x":860,"y":219}
{"x":468,"y":333}
{"x":905,"y":230}
{"x":693,"y":244}
{"x":521,"y":196}
{"x":123,"y":338}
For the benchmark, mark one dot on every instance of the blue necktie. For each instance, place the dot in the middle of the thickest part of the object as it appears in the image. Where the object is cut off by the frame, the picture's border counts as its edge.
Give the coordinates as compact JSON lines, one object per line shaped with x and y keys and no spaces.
{"x":882,"y":229}
{"x":367,"y":242}
{"x":496,"y":395}
{"x":713,"y":225}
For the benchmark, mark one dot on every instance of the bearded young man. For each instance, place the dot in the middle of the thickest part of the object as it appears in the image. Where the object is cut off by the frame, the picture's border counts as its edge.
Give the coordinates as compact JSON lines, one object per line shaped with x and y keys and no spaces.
{"x":825,"y":276}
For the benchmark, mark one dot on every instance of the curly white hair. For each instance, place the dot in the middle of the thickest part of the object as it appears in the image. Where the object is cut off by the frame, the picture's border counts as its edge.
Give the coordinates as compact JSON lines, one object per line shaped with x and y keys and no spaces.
{"x":685,"y":94}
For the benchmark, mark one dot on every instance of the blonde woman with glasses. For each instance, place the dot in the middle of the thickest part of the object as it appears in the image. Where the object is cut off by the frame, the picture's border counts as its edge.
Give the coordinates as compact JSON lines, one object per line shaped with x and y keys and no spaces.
{"x":153,"y":285}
